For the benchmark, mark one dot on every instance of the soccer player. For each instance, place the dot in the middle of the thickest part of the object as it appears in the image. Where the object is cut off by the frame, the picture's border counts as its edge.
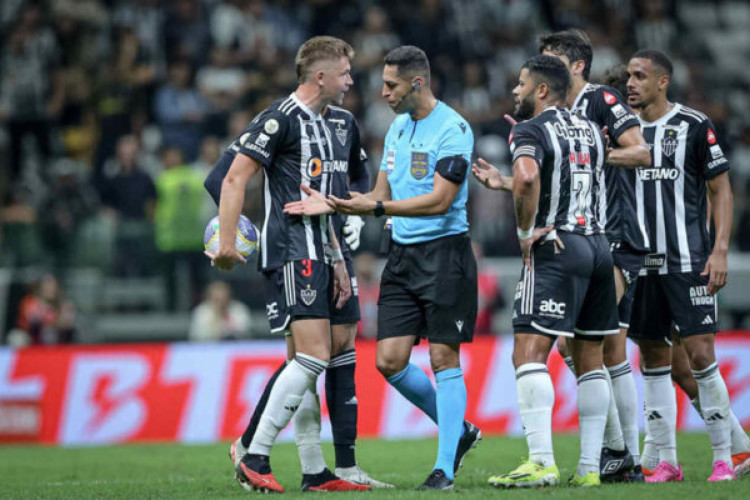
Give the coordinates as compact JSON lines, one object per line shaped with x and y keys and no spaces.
{"x":567,"y":286}
{"x":298,"y":140}
{"x":429,"y":284}
{"x":682,"y":273}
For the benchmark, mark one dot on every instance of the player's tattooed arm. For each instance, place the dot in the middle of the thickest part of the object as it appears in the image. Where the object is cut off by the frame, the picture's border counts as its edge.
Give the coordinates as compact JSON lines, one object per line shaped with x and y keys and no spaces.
{"x":526,"y":188}
{"x":722,"y":204}
{"x":631,"y":150}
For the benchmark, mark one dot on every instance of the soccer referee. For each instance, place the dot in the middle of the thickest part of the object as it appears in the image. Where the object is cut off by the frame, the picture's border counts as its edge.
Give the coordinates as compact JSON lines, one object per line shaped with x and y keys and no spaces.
{"x":429,"y":285}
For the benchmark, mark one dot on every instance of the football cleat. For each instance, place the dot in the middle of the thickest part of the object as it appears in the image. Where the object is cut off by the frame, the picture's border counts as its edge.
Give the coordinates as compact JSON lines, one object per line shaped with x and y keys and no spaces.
{"x":356,"y":475}
{"x":665,"y":473}
{"x":635,"y":476}
{"x":472,"y":435}
{"x":254,"y":474}
{"x":647,"y":472}
{"x":237,"y":451}
{"x":586,"y":481}
{"x":437,"y":480}
{"x":615,"y":465}
{"x":527,"y":475}
{"x":741,"y":462}
{"x":722,"y":472}
{"x":327,"y":481}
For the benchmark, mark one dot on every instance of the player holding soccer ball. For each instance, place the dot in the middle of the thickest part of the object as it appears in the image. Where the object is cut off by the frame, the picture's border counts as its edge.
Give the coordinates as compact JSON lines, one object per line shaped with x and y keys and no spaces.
{"x":301,"y":140}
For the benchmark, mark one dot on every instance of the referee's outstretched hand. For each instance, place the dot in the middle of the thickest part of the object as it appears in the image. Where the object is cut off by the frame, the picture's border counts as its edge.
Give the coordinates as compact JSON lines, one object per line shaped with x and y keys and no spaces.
{"x":314,"y":204}
{"x":357,"y":204}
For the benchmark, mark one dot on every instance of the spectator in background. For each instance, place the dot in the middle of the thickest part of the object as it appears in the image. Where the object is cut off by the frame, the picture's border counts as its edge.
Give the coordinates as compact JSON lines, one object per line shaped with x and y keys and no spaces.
{"x":180,"y":110}
{"x":219,"y":317}
{"x":30,"y":90}
{"x":210,"y":152}
{"x":20,"y":244}
{"x":179,"y":229}
{"x":186,"y":32}
{"x":45,"y":316}
{"x":131,"y":195}
{"x":368,"y":285}
{"x":491,"y":300}
{"x":222,"y":84}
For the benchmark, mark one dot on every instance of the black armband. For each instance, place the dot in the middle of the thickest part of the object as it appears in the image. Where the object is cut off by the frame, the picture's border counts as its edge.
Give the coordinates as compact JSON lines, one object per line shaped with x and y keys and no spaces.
{"x":453,"y":168}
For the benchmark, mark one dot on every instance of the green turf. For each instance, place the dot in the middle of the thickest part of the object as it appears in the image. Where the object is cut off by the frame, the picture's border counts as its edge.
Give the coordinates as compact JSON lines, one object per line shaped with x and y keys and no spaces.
{"x":166,"y":471}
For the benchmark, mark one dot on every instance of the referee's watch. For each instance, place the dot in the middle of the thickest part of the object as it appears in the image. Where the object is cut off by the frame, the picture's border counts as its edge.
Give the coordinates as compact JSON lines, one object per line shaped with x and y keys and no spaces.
{"x":379,"y":209}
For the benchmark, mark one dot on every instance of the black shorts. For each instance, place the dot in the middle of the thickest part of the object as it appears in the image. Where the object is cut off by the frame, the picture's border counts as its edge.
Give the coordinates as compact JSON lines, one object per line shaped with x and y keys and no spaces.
{"x":297,"y":290}
{"x":429,"y":290}
{"x":349,"y":314}
{"x":662,"y":300}
{"x":570,"y":292}
{"x":630,"y":263}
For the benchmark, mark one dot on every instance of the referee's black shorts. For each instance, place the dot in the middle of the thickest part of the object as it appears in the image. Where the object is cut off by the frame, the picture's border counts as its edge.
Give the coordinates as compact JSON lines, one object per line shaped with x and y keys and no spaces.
{"x":429,"y":290}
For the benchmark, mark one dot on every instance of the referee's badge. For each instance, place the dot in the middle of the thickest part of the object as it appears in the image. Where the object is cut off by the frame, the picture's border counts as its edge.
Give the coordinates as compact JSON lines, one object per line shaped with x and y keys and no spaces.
{"x":341,"y":134}
{"x":669,"y":142}
{"x":308,"y":296}
{"x":419,"y":164}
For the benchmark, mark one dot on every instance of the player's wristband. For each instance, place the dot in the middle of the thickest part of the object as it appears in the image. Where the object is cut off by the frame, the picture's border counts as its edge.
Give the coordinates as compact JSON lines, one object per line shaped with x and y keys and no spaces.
{"x":337,"y":255}
{"x":379,"y":209}
{"x":524,"y":234}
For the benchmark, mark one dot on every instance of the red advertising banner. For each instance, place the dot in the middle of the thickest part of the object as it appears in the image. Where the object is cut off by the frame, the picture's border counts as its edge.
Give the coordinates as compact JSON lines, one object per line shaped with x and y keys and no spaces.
{"x":206,"y":392}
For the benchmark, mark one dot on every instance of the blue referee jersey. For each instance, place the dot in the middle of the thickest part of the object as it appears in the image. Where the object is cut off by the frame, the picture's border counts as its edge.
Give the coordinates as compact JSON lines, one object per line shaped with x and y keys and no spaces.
{"x":411,"y":152}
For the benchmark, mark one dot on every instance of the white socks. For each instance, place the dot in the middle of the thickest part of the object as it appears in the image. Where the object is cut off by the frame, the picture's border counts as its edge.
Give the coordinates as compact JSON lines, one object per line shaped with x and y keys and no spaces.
{"x":593,"y":405}
{"x":612,"y":432}
{"x":536,"y":397}
{"x":714,"y":402}
{"x":740,"y":440}
{"x":286,"y":396}
{"x":661,"y":412}
{"x":307,"y":434}
{"x":625,"y":396}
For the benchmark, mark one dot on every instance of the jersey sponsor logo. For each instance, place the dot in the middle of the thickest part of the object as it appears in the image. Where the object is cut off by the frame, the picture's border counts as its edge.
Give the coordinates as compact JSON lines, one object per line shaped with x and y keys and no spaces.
{"x":708,"y":320}
{"x":581,"y":133}
{"x":262,"y":140}
{"x":308,"y":295}
{"x":272,"y":310}
{"x":654,"y":260}
{"x":716,"y":151}
{"x":669,"y":142}
{"x":271,"y":126}
{"x":658,"y":174}
{"x":551,"y":308}
{"x":459,"y":325}
{"x":618,"y":111}
{"x":718,"y":162}
{"x":390,"y":160}
{"x":259,"y":150}
{"x":619,"y":123}
{"x":579,"y":158}
{"x":609,"y":98}
{"x":711,"y":137}
{"x":699,"y":296}
{"x":419,"y":164}
{"x":316,"y":166}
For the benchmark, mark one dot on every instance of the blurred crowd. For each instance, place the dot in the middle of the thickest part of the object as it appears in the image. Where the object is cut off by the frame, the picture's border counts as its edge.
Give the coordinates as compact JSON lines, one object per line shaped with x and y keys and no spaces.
{"x":113,"y":111}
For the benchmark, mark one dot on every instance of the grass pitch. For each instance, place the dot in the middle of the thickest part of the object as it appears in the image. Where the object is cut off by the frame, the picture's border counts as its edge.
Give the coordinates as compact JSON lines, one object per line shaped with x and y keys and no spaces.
{"x":167,"y":471}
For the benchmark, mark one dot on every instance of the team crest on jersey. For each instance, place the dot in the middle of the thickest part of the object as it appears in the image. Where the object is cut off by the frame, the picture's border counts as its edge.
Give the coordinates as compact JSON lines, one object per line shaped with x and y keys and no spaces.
{"x":314,"y":167}
{"x":341,"y":134}
{"x":419,"y":162}
{"x":308,"y":295}
{"x":609,"y":98}
{"x":669,"y":142}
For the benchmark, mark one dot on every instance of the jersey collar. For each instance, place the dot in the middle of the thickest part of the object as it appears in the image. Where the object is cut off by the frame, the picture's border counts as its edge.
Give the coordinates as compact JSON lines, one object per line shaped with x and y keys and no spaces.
{"x":663,"y":119}
{"x":580,"y":94}
{"x":304,"y":108}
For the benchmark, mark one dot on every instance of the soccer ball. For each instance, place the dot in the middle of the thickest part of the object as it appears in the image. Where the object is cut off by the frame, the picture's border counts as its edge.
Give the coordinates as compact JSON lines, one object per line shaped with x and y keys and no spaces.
{"x":246,"y":240}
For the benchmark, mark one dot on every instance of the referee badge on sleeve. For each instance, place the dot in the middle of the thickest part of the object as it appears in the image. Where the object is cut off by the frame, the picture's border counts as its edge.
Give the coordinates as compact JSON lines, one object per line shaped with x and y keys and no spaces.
{"x":419,"y":163}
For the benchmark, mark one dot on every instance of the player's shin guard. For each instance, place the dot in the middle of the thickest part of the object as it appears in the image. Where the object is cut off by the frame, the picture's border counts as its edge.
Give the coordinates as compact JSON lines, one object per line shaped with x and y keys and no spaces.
{"x":414,"y":384}
{"x":342,"y":406}
{"x":626,"y":397}
{"x":661,"y":412}
{"x":247,"y":436}
{"x":306,"y":421}
{"x":299,"y":376}
{"x":714,"y":402}
{"x":593,"y":405}
{"x":451,"y":408}
{"x":613,"y":438}
{"x":536,"y":397}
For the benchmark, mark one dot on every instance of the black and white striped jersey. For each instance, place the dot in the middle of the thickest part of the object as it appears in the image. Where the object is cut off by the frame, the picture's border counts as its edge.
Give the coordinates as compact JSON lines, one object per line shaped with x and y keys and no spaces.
{"x":296,"y":146}
{"x":671,"y":193}
{"x":605,"y":106}
{"x":570,"y":152}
